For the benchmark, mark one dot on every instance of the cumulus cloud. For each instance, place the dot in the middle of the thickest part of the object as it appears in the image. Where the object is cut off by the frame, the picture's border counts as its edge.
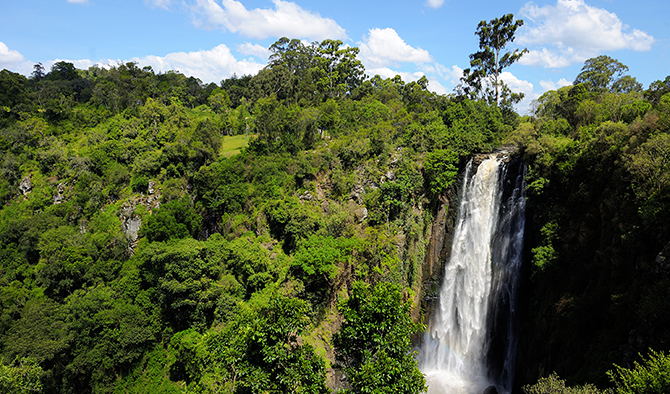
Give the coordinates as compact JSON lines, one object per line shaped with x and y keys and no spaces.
{"x":9,"y":56}
{"x":13,"y":60}
{"x":256,"y":50}
{"x":574,"y":32}
{"x":452,"y":75}
{"x":435,"y":86}
{"x":383,"y":47}
{"x":286,"y":19}
{"x":515,"y":84}
{"x":207,"y":65}
{"x":551,"y":85}
{"x":386,"y":72}
{"x":435,"y":3}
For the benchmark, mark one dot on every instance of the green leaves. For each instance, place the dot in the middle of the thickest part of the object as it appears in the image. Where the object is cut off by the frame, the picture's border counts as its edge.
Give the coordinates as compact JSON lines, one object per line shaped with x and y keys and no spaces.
{"x":441,"y":170}
{"x":257,"y":352}
{"x":482,"y":79}
{"x":603,"y":74}
{"x":173,"y":220}
{"x":373,"y":345}
{"x":652,"y":376}
{"x":318,"y":261}
{"x":21,"y":377}
{"x":552,"y":384}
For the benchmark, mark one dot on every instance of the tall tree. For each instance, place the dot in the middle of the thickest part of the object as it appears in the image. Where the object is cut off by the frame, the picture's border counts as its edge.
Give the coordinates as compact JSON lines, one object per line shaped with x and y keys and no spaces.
{"x":602,"y":74}
{"x":482,"y":79}
{"x":657,"y":89}
{"x":373,"y":346}
{"x":340,"y":70}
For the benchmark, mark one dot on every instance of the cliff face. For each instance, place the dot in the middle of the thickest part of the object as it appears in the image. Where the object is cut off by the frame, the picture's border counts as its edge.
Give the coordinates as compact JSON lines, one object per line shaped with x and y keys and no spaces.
{"x":595,"y":283}
{"x":595,"y":288}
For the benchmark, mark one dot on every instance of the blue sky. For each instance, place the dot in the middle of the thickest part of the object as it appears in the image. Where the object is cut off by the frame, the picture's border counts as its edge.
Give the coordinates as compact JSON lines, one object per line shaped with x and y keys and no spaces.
{"x":212,"y":39}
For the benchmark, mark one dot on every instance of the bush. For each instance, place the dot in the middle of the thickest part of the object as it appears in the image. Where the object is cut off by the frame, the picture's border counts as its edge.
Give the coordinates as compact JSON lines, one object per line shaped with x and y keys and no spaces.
{"x":373,"y":346}
{"x":554,"y":385}
{"x":139,"y":183}
{"x":175,"y":219}
{"x":651,"y":376}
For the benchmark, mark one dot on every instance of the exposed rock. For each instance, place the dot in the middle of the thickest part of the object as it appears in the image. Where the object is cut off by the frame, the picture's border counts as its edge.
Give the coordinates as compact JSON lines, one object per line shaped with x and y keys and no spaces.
{"x":131,"y":227}
{"x":306,"y":196}
{"x":58,"y":197}
{"x":26,"y":185}
{"x":127,"y":209}
{"x":151,"y":188}
{"x":357,"y":193}
{"x":130,"y":224}
{"x":396,"y":156}
{"x":361,"y":214}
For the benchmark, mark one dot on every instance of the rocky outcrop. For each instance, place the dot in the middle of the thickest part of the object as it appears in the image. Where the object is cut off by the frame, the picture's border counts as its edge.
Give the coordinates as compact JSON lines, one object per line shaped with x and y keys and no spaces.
{"x":26,"y":185}
{"x":59,"y":196}
{"x":131,"y":222}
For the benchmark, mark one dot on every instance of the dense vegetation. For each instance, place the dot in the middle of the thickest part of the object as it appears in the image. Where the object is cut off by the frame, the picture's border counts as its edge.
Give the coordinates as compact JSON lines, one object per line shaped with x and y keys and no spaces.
{"x":137,"y":257}
{"x":599,"y":204}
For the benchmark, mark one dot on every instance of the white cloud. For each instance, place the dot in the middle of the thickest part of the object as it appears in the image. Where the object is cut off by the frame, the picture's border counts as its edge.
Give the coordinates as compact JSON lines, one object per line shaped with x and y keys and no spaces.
{"x":386,"y":72}
{"x":286,"y":19}
{"x":208,"y":65}
{"x":13,"y":60}
{"x":435,"y":3}
{"x":77,"y":1}
{"x":551,"y":85}
{"x":561,"y":57}
{"x":9,"y":56}
{"x":250,"y":49}
{"x":452,"y":75}
{"x":435,"y":86}
{"x":515,"y":84}
{"x":574,"y":32}
{"x":383,"y":47}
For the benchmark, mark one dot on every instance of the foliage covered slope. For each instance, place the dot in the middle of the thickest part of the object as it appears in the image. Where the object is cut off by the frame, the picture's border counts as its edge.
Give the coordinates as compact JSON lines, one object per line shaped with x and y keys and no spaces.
{"x":596,"y":290}
{"x":136,"y":257}
{"x":137,"y":254}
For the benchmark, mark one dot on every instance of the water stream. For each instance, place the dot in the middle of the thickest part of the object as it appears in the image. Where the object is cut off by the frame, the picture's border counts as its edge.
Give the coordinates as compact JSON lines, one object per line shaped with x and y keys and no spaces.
{"x":470,"y":342}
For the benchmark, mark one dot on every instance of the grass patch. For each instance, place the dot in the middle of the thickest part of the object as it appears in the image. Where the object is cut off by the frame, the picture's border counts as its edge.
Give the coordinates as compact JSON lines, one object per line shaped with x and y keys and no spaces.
{"x":231,"y":145}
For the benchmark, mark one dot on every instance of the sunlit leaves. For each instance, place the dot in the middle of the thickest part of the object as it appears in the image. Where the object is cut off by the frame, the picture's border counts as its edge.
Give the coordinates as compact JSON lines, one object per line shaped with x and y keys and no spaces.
{"x":373,"y":345}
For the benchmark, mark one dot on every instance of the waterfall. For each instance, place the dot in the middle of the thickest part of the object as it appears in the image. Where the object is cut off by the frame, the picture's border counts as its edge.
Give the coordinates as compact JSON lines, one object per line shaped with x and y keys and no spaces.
{"x":470,"y":342}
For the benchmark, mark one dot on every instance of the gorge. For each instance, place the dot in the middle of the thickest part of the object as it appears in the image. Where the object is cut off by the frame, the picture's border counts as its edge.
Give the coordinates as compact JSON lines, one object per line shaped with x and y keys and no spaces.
{"x":470,"y":342}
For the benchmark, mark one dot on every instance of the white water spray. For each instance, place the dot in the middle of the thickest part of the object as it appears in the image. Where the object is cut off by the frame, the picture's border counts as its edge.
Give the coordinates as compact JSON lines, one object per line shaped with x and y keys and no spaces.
{"x":454,"y":353}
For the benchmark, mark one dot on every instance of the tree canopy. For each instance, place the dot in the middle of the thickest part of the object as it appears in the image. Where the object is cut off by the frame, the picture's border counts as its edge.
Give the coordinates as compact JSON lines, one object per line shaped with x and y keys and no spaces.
{"x":483,"y":78}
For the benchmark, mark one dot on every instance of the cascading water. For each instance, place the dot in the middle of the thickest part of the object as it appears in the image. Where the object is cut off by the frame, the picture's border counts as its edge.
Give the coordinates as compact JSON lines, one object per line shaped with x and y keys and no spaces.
{"x":471,"y":340}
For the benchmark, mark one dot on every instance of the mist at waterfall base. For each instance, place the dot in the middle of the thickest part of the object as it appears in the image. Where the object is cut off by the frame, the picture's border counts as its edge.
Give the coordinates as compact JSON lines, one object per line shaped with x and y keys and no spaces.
{"x":470,"y":343}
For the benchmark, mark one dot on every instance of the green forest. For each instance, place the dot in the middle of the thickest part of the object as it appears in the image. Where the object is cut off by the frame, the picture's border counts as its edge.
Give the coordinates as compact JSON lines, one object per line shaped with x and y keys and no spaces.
{"x":270,"y":233}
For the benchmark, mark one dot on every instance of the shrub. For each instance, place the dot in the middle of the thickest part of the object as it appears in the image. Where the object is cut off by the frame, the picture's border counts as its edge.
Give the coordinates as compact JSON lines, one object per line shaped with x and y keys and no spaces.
{"x":554,"y":385}
{"x":651,"y":376}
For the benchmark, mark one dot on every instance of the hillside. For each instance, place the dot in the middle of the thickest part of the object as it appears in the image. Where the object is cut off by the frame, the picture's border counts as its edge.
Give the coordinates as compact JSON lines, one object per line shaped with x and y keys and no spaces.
{"x":162,"y":235}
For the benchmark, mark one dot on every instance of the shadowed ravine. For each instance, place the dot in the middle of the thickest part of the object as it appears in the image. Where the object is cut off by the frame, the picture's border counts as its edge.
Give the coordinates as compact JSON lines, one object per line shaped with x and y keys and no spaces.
{"x":470,"y":342}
